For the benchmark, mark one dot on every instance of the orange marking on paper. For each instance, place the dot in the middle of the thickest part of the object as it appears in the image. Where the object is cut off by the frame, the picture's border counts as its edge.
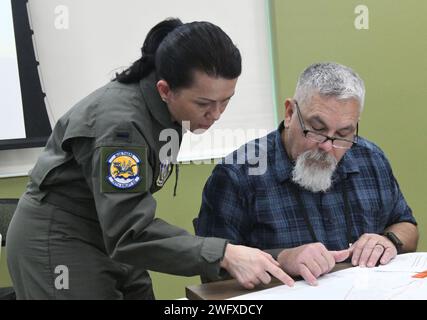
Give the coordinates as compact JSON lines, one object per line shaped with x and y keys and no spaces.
{"x":420,"y":275}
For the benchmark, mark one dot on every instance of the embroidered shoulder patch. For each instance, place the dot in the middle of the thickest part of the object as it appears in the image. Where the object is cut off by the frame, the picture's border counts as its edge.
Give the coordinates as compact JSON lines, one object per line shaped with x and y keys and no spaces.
{"x":124,"y":169}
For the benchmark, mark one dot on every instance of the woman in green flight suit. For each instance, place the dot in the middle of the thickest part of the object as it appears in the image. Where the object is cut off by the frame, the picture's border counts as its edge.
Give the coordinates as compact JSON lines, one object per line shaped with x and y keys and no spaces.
{"x":85,"y":227}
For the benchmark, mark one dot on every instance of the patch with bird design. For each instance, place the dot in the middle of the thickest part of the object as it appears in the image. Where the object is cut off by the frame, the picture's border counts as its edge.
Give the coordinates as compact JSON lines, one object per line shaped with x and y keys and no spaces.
{"x":123,"y":170}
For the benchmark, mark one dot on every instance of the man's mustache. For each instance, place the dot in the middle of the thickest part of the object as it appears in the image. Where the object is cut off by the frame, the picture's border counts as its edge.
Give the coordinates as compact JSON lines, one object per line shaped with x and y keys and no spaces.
{"x":320,"y":157}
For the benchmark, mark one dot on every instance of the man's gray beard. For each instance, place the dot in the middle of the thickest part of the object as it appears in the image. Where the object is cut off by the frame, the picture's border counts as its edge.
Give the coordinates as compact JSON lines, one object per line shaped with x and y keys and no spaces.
{"x":313,"y":170}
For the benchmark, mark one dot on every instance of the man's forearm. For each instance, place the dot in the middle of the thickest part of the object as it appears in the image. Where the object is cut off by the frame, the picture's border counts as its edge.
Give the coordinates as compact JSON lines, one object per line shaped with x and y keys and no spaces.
{"x":407,"y":233}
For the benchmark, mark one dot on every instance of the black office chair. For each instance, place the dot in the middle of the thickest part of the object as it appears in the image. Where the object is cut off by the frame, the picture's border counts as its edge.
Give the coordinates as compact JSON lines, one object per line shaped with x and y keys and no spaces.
{"x":195,"y":224}
{"x":7,"y":208}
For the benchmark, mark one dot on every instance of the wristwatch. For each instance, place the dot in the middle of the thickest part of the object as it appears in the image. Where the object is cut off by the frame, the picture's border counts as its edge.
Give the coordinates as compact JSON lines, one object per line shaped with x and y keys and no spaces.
{"x":395,"y":240}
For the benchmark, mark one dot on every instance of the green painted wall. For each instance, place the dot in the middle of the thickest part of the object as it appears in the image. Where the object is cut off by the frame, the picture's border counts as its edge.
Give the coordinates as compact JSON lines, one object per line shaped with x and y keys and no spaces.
{"x":390,"y":56}
{"x":9,"y":188}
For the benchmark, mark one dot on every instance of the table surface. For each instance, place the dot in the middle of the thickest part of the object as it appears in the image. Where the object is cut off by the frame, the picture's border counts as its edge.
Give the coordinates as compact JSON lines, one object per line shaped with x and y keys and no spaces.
{"x":226,"y":289}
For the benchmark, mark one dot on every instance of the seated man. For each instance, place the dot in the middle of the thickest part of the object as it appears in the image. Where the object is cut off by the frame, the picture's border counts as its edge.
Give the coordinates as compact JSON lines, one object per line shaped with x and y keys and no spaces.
{"x":325,"y":193}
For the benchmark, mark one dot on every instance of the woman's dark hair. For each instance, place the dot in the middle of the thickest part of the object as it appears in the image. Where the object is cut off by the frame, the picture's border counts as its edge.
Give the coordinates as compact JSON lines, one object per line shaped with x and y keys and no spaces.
{"x":175,"y":50}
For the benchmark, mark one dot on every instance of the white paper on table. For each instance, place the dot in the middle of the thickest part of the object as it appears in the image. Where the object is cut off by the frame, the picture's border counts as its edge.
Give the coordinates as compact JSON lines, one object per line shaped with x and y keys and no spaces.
{"x":351,"y":284}
{"x":408,"y":262}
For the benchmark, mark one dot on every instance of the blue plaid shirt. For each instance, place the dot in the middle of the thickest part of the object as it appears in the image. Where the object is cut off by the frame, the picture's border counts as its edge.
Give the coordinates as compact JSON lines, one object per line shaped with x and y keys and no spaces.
{"x":262,"y":211}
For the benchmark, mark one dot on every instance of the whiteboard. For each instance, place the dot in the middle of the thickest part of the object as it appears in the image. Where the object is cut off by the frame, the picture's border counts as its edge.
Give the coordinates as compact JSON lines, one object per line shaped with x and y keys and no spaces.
{"x":12,"y":121}
{"x":81,"y":44}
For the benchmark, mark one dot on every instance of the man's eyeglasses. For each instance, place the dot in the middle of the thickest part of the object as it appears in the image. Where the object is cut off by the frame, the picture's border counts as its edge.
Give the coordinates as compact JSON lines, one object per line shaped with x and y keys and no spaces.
{"x":339,"y":143}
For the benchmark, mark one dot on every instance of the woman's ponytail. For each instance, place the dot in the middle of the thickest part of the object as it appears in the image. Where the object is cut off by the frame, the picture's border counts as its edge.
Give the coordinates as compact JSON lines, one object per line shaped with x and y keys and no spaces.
{"x":175,"y":50}
{"x":146,"y":64}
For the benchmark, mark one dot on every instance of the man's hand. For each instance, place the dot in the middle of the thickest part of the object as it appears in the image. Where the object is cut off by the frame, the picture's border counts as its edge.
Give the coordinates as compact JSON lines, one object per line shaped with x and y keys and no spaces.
{"x":251,"y":266}
{"x":370,"y":248}
{"x":310,"y":261}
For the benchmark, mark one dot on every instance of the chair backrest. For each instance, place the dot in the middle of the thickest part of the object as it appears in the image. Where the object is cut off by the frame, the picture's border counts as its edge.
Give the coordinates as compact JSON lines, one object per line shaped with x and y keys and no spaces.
{"x":195,"y":224}
{"x":7,"y":208}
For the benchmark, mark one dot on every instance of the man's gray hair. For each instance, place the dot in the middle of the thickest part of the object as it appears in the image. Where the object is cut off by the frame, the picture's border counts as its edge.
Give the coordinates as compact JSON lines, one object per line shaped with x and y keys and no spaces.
{"x":332,"y":80}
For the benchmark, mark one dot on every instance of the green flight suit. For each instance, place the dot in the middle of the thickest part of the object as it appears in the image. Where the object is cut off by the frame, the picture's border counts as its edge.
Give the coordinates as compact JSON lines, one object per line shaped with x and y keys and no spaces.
{"x":89,"y":207}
